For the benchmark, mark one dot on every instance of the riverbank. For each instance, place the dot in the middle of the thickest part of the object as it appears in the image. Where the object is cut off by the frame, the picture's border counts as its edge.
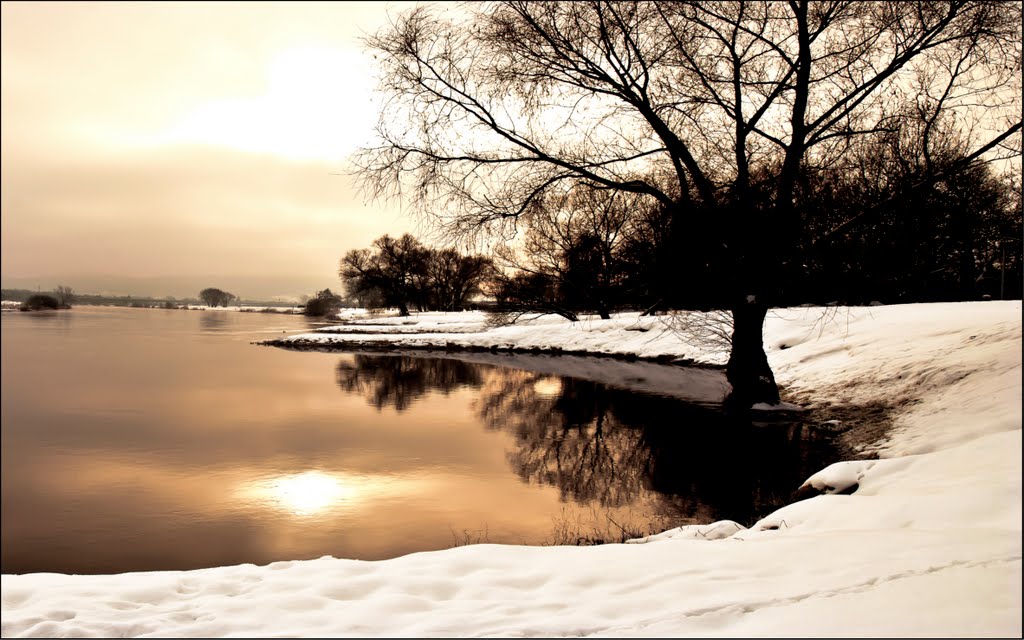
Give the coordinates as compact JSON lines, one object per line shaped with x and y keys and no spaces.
{"x":927,"y":544}
{"x":627,"y":336}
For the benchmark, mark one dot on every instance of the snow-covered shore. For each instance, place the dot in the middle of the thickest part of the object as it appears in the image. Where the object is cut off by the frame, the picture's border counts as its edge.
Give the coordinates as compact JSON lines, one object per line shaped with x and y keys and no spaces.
{"x":625,"y":335}
{"x":929,"y":544}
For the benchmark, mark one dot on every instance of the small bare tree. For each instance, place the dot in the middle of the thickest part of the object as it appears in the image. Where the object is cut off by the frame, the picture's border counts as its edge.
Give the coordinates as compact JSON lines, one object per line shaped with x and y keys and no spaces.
{"x":453,"y":279}
{"x":711,"y":330}
{"x":573,"y":239}
{"x":65,"y":295}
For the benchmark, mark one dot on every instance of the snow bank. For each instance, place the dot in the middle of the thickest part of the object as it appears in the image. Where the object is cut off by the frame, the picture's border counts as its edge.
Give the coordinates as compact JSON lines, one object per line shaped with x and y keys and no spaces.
{"x":623,"y":335}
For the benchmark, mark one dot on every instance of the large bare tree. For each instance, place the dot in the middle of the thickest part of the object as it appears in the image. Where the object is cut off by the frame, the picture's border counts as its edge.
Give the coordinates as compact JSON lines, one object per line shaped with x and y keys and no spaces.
{"x":712,"y":109}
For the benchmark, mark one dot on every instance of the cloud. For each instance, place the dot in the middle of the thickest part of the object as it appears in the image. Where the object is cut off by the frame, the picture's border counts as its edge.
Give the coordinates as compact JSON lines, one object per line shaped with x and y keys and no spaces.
{"x":185,"y":139}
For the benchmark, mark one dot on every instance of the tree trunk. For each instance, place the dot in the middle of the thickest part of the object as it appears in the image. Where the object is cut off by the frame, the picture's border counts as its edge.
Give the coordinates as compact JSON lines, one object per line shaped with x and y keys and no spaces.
{"x":403,"y":309}
{"x":748,"y":371}
{"x":565,"y":313}
{"x":651,"y":310}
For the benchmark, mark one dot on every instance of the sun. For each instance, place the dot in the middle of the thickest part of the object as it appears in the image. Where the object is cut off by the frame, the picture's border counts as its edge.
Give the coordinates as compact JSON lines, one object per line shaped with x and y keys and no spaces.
{"x":318,"y":105}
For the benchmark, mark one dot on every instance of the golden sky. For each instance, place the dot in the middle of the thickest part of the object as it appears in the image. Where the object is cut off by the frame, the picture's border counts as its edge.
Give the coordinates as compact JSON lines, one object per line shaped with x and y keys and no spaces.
{"x":160,"y":148}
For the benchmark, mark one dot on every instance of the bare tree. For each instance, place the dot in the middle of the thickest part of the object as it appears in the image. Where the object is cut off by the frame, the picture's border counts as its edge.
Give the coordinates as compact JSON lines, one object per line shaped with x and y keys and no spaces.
{"x":391,"y":272}
{"x":65,"y":295}
{"x":573,"y":239}
{"x":214,"y":297}
{"x":324,"y":303}
{"x":452,"y":279}
{"x":712,"y":109}
{"x":942,"y":253}
{"x":523,"y":291}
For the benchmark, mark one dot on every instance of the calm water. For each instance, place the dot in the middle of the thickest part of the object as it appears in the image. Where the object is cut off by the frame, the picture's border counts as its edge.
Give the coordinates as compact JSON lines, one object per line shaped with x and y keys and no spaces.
{"x":145,"y":439}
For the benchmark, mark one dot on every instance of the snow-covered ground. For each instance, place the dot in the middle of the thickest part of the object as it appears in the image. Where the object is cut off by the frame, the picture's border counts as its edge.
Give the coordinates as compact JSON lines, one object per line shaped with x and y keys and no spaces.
{"x":244,"y":307}
{"x":929,"y":544}
{"x":624,"y":334}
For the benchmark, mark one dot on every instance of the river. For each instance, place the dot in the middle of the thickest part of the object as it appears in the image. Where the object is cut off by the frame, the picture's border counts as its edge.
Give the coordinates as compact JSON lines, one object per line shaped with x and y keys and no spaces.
{"x":151,"y":439}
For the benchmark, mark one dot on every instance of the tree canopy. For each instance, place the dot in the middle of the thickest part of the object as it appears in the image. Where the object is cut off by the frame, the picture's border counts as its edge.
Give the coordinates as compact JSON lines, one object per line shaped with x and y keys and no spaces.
{"x":402,"y":272}
{"x":214,"y":297}
{"x":323,"y":303}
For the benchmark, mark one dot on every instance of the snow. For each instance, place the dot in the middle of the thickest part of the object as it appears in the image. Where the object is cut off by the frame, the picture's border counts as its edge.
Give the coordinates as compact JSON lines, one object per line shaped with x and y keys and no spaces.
{"x":243,"y":308}
{"x":623,"y":335}
{"x":839,"y":477}
{"x":929,"y":543}
{"x":778,"y":406}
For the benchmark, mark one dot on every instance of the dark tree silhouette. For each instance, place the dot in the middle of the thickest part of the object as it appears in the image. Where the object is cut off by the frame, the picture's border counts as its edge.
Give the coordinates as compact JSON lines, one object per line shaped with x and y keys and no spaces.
{"x":453,"y":279}
{"x":214,"y":297}
{"x":323,"y":303}
{"x":65,"y":296}
{"x":38,"y":302}
{"x":943,"y":253}
{"x":573,"y":242}
{"x":392,"y":272}
{"x":713,"y":110}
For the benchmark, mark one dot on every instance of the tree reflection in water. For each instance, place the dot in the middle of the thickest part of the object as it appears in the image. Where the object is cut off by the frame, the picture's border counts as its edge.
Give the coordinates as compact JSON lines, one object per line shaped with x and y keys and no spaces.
{"x":609,"y":446}
{"x":571,"y":439}
{"x":213,"y":320}
{"x":397,"y":381}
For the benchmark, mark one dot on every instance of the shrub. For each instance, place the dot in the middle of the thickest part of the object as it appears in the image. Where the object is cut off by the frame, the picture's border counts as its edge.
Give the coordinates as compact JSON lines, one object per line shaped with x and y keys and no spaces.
{"x":213,"y":297}
{"x":40,"y":301}
{"x":324,"y":303}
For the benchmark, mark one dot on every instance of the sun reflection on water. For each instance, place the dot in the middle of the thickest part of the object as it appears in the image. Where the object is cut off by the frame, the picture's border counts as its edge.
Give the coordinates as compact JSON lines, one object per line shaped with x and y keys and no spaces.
{"x":307,"y":493}
{"x":548,"y":387}
{"x":315,"y":492}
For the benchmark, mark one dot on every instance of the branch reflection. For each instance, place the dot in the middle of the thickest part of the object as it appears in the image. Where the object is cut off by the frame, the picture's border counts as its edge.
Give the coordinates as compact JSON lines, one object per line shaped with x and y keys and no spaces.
{"x":609,"y":446}
{"x":397,"y":381}
{"x":570,"y":439}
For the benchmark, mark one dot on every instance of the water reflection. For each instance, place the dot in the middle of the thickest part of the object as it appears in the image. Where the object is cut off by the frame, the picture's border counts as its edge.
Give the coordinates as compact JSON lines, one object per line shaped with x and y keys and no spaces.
{"x":397,"y":381}
{"x":320,"y":494}
{"x":566,"y":436}
{"x":190,"y":453}
{"x":52,"y":321}
{"x":611,"y":446}
{"x":213,"y":320}
{"x":305,"y":493}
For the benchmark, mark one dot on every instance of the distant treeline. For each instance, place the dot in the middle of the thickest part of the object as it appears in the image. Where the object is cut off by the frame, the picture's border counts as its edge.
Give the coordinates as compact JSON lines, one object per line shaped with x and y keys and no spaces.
{"x":21,"y":295}
{"x":597,"y":251}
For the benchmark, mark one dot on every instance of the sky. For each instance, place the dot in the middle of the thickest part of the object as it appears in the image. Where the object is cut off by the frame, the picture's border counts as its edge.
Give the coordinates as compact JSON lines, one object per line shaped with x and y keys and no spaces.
{"x":158,"y":148}
{"x":921,"y":538}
